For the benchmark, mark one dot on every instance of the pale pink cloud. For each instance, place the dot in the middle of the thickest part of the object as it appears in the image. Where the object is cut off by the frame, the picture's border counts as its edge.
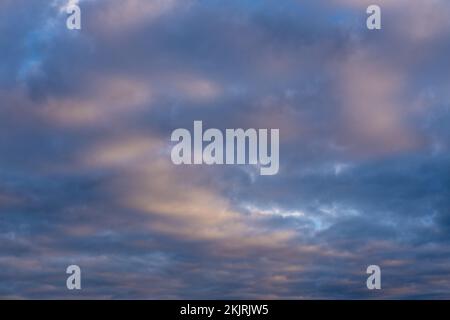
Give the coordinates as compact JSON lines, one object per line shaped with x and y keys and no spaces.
{"x":107,"y":99}
{"x":373,"y":112}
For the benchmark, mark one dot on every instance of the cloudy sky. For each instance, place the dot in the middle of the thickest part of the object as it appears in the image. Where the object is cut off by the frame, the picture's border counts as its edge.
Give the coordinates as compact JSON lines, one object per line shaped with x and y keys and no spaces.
{"x":85,"y":170}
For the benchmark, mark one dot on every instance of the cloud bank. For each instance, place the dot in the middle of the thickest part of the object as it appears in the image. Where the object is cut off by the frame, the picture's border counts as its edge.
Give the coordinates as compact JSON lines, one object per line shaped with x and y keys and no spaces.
{"x":85,"y":170}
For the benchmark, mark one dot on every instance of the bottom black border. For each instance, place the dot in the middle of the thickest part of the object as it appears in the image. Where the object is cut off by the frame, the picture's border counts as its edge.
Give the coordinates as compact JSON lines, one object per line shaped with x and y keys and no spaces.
{"x":276,"y":309}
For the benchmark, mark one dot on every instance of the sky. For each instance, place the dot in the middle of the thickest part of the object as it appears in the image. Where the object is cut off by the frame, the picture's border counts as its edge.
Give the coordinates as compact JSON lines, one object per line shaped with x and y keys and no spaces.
{"x":86,"y":176}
